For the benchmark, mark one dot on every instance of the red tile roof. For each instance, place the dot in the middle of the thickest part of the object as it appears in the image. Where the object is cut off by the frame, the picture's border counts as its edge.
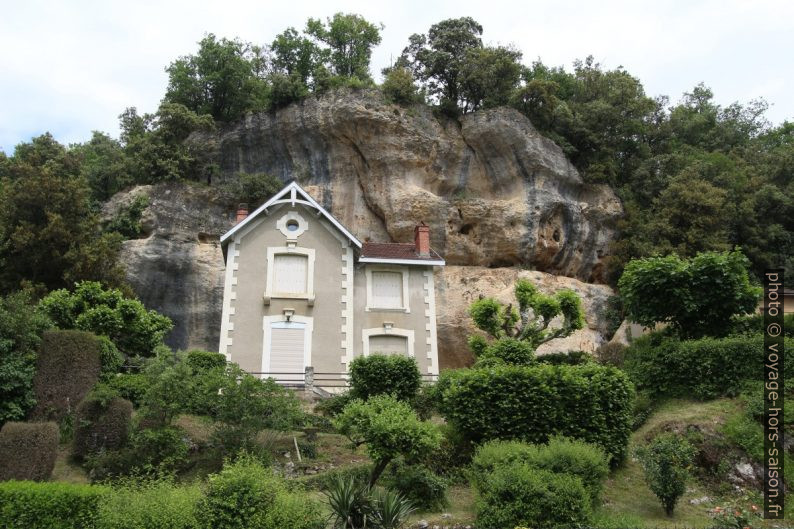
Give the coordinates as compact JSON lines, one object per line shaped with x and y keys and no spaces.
{"x":395,"y":250}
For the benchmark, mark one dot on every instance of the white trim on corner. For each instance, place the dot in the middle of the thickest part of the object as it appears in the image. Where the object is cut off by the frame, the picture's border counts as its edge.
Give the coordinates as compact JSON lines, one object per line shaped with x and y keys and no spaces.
{"x":347,"y":304}
{"x":229,"y":295}
{"x":267,"y":323}
{"x":272,"y":252}
{"x":430,"y":324}
{"x":406,"y":276}
{"x":409,"y":334}
{"x":293,"y":190}
{"x":415,"y":262}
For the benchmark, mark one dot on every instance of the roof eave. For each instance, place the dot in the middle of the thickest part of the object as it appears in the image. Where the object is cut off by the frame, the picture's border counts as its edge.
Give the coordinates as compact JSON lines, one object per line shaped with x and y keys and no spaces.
{"x":415,"y":262}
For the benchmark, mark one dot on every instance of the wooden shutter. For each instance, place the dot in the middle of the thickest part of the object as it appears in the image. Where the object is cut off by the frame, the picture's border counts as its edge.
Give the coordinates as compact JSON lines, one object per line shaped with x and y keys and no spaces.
{"x":286,"y":351}
{"x":387,"y":290}
{"x":289,"y":274}
{"x":388,"y":344}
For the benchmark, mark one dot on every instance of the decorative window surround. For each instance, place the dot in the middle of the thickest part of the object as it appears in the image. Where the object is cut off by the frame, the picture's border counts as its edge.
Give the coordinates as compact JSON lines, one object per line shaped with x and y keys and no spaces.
{"x":406,"y":295}
{"x":267,"y":323}
{"x":283,"y":224}
{"x":271,"y":261}
{"x":378,"y":331}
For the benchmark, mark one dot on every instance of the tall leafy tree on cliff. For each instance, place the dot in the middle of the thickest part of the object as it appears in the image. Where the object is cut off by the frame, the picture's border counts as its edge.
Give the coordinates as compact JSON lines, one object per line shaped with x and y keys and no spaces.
{"x":350,"y":39}
{"x":296,"y":55}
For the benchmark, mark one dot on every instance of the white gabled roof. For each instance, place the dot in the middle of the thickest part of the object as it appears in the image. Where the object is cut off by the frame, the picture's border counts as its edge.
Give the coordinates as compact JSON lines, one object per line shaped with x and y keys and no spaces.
{"x":295,"y":195}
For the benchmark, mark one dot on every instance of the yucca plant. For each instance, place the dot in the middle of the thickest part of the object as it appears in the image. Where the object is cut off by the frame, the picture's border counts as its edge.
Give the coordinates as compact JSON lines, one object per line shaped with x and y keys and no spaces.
{"x":349,"y":503}
{"x":390,"y":509}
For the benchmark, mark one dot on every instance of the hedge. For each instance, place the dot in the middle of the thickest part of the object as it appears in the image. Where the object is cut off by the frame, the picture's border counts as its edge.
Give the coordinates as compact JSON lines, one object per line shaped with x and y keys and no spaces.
{"x":205,"y":360}
{"x":28,"y":450}
{"x":532,"y":403}
{"x":67,"y":367}
{"x":29,"y":505}
{"x":131,"y":386}
{"x":378,"y":374}
{"x":706,"y":368}
{"x":149,"y":504}
{"x":101,"y":427}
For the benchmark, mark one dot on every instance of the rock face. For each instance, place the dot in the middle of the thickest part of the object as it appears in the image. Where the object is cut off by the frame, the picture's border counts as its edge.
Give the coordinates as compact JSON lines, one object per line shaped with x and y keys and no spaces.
{"x":498,"y":196}
{"x":494,"y":191}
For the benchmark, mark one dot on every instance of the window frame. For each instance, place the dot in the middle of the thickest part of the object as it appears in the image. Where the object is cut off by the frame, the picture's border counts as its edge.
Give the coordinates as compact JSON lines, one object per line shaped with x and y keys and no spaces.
{"x":272,"y":252}
{"x":409,"y":335}
{"x":405,"y":273}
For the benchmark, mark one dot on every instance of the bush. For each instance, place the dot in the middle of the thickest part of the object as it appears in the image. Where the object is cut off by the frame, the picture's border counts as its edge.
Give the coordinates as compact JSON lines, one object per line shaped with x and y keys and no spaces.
{"x":130,"y":386}
{"x":417,"y":483}
{"x":333,"y":406}
{"x":398,"y":87}
{"x":28,"y":505}
{"x":519,"y":495}
{"x":611,"y":354}
{"x":560,"y":456}
{"x":110,"y":357}
{"x":28,"y":450}
{"x":378,"y":374}
{"x":101,"y":426}
{"x":665,"y":462}
{"x":205,"y":360}
{"x":706,"y":368}
{"x":532,"y":403}
{"x":246,"y":495}
{"x":153,"y":452}
{"x":149,"y":504}
{"x":358,"y":473}
{"x":570,"y":358}
{"x":67,"y":367}
{"x":511,"y":350}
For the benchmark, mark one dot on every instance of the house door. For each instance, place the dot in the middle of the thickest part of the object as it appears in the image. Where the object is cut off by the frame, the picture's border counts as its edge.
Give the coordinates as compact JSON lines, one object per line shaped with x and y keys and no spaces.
{"x":287,"y":351}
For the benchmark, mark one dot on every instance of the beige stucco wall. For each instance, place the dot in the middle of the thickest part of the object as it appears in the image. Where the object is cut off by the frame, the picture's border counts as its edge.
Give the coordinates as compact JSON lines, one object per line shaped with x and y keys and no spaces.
{"x":249,"y":308}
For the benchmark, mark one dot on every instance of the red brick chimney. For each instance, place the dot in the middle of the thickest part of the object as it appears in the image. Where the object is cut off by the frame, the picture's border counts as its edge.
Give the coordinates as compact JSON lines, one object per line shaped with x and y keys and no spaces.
{"x":422,"y":240}
{"x":242,"y":212}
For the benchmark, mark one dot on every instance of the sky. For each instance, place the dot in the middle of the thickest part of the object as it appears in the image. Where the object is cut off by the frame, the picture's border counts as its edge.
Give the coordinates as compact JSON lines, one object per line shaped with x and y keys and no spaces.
{"x":72,"y":66}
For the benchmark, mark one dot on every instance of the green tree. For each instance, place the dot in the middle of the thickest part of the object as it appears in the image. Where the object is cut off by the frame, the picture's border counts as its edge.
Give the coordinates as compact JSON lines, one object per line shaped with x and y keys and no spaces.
{"x":297,"y":56}
{"x":695,"y":296}
{"x":530,"y":322}
{"x":389,"y":428}
{"x":20,"y":333}
{"x":350,"y":39}
{"x":666,"y":461}
{"x":438,"y":58}
{"x":107,"y":312}
{"x":489,"y":76}
{"x":398,"y":86}
{"x":104,"y":166}
{"x":223,"y":79}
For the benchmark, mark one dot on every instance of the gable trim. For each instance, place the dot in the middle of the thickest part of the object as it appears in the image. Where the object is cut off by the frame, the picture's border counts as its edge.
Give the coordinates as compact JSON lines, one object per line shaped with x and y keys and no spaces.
{"x":293,"y":190}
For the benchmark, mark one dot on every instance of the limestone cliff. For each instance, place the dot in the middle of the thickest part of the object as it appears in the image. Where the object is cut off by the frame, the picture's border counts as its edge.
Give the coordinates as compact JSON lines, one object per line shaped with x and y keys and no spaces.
{"x":499,"y":197}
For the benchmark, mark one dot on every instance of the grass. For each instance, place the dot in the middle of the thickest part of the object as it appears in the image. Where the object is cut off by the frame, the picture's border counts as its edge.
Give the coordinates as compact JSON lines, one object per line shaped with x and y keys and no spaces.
{"x":66,"y":470}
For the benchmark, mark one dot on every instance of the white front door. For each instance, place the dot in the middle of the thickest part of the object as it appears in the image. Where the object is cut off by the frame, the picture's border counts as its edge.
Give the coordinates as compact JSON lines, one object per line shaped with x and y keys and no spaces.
{"x":287,"y":351}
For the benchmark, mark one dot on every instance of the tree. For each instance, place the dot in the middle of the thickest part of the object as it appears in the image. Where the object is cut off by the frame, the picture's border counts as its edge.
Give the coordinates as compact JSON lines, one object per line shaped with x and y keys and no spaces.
{"x":437,"y":59}
{"x":389,"y":428}
{"x":297,"y":56}
{"x":666,"y":461}
{"x":695,"y":296}
{"x":224,"y":79}
{"x":106,"y":312}
{"x":103,"y":165}
{"x":49,"y":232}
{"x":350,"y":39}
{"x":398,"y":86}
{"x":488,"y":77}
{"x":530,"y":322}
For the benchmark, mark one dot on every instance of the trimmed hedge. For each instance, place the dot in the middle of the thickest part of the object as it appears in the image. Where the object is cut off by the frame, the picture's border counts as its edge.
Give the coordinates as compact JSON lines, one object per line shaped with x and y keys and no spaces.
{"x":571,"y":358}
{"x":29,"y":505}
{"x":378,"y":374}
{"x":67,"y":367}
{"x":705,"y":369}
{"x":532,"y":403}
{"x":205,"y":360}
{"x":28,"y":450}
{"x":101,"y":426}
{"x":149,"y":504}
{"x":131,"y":386}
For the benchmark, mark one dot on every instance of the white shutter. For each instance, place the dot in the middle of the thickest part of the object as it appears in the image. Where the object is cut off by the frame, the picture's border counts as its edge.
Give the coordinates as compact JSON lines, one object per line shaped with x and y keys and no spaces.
{"x":286,"y":351}
{"x":388,"y":344}
{"x":289,"y":274}
{"x":387,"y":290}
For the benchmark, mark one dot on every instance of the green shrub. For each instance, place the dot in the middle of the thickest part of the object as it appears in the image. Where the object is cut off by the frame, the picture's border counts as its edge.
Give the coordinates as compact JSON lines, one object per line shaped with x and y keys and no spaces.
{"x":130,"y":386}
{"x":611,"y":354}
{"x":706,"y":368}
{"x":519,"y":495}
{"x":570,"y":358}
{"x":154,"y":452}
{"x":642,"y":408}
{"x":205,"y":360}
{"x":417,"y":483}
{"x":246,"y":495}
{"x":532,"y":403}
{"x":511,"y":350}
{"x":127,"y":220}
{"x":560,"y":456}
{"x":101,"y":426}
{"x":488,"y":362}
{"x":29,"y":505}
{"x":425,"y":402}
{"x":358,"y":473}
{"x":149,"y":504}
{"x":67,"y":367}
{"x":378,"y":374}
{"x":333,"y":406}
{"x":110,"y":357}
{"x":28,"y":450}
{"x":666,"y":461}
{"x":398,"y":86}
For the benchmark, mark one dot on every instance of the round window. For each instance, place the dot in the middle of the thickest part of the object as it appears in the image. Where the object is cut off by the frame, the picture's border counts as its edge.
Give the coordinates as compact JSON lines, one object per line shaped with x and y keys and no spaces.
{"x":292,"y":225}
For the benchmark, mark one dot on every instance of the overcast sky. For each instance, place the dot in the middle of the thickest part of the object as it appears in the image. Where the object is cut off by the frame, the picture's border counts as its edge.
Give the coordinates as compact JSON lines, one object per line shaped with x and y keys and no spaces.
{"x":72,"y":66}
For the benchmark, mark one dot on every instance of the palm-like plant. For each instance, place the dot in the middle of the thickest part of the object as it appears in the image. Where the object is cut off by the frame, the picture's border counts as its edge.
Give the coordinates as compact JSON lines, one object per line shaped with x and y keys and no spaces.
{"x":390,"y":509}
{"x":349,"y":503}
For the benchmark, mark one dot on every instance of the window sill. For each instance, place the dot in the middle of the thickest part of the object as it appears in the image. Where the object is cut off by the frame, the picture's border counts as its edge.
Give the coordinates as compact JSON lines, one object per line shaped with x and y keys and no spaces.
{"x":308,"y":297}
{"x":384,"y":309}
